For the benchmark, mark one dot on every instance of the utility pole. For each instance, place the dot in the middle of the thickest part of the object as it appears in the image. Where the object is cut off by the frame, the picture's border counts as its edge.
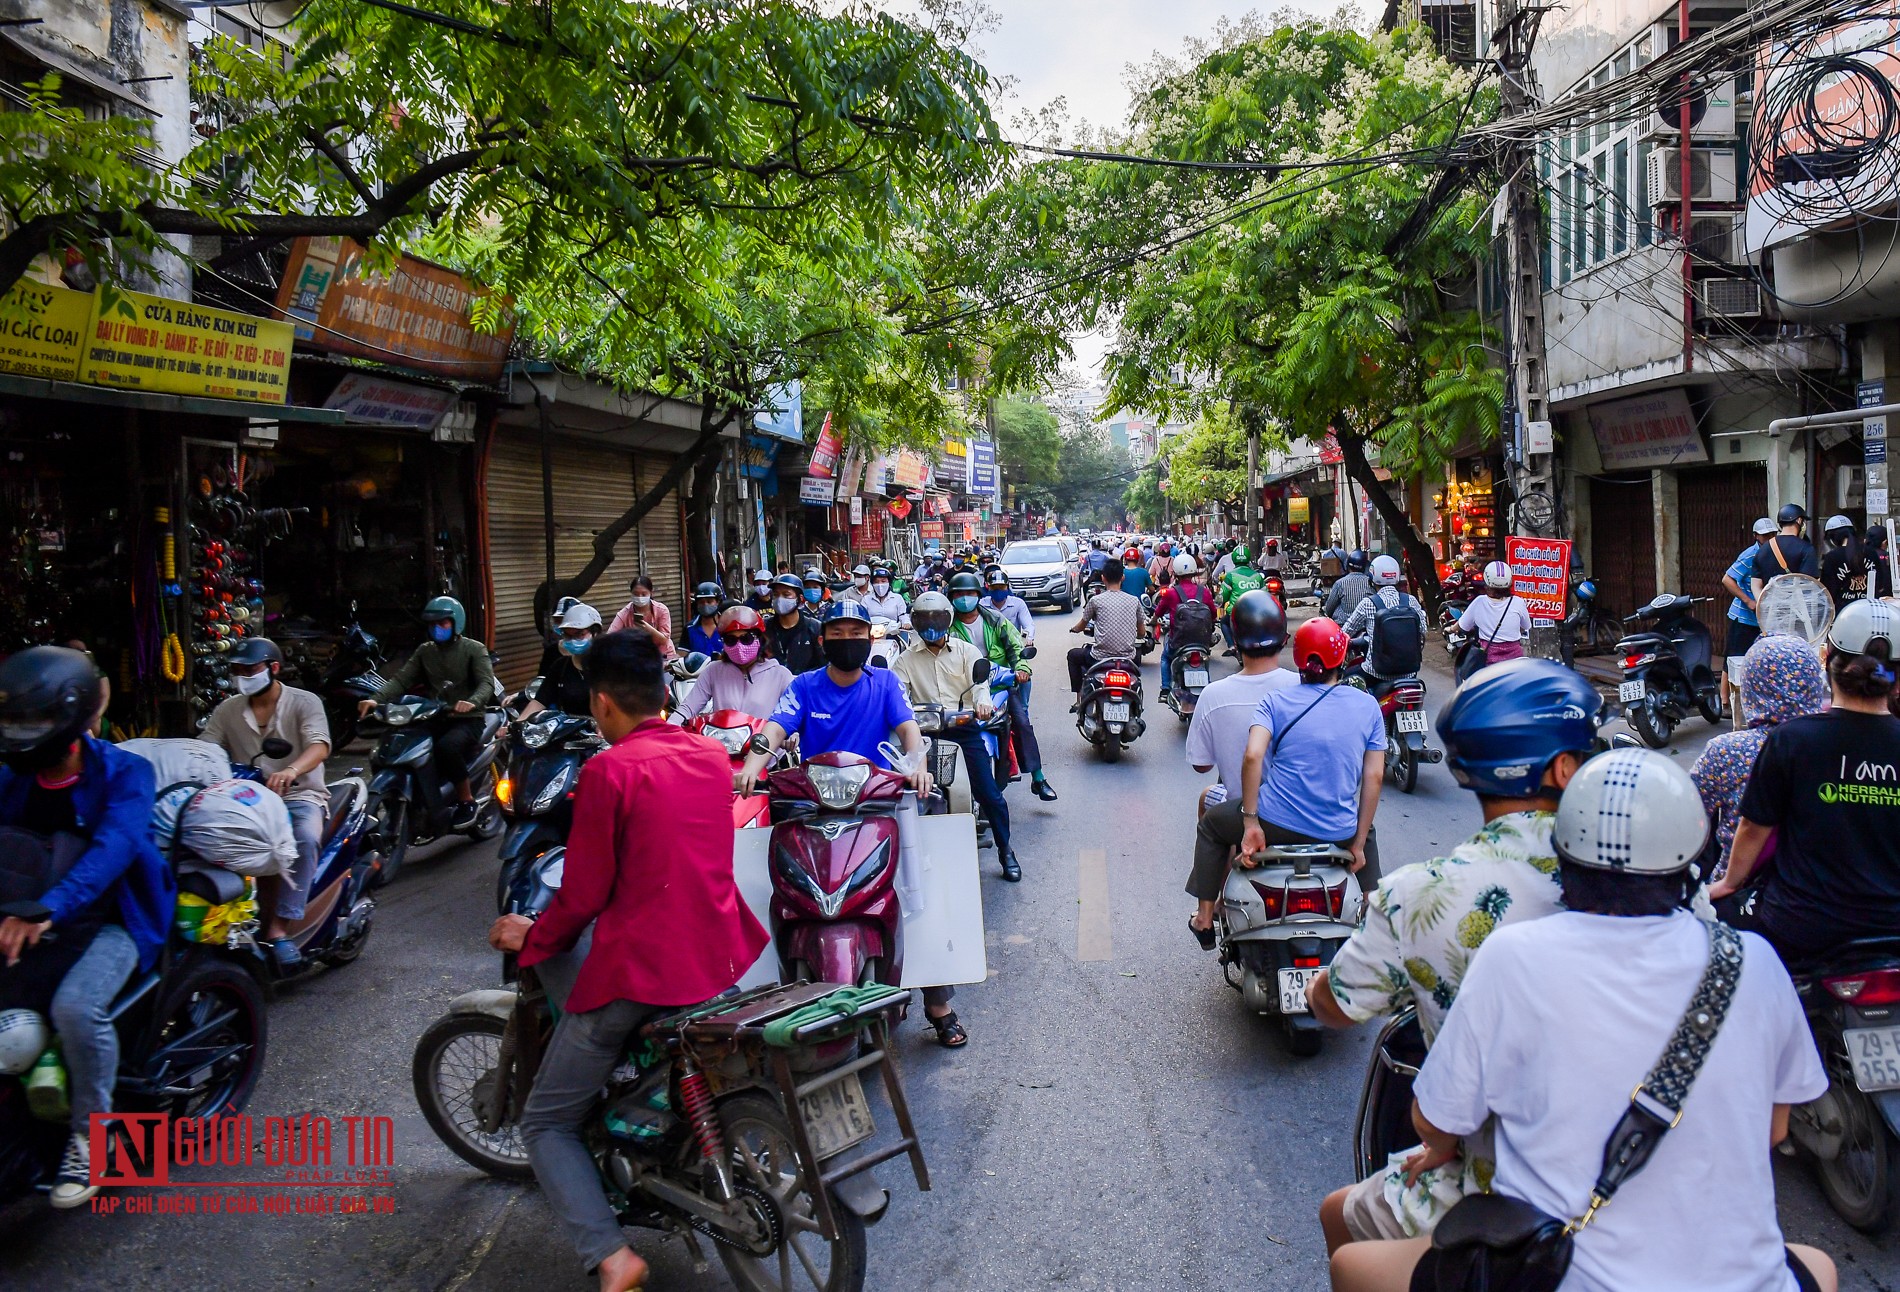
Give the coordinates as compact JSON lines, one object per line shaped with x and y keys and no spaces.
{"x":1253,"y":487}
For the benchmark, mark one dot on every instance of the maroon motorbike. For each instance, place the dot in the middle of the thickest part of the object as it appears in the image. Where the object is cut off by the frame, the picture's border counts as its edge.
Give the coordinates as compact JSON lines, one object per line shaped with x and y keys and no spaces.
{"x":835,"y":911}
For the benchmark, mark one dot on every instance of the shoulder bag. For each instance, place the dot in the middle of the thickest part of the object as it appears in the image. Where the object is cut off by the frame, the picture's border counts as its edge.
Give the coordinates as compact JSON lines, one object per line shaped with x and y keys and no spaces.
{"x":1497,"y":1243}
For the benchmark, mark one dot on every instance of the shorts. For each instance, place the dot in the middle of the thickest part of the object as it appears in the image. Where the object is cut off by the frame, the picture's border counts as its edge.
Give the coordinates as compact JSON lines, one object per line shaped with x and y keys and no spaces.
{"x":1740,"y":637}
{"x":1369,"y":1217}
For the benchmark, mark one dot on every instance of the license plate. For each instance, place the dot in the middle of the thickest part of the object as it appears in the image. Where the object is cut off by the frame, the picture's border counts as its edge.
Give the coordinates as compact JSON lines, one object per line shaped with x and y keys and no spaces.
{"x":1630,"y":691}
{"x":837,"y":1117}
{"x":1195,"y":677}
{"x":1293,"y":989}
{"x":1112,"y":712}
{"x":1411,"y":719}
{"x":1875,"y":1052}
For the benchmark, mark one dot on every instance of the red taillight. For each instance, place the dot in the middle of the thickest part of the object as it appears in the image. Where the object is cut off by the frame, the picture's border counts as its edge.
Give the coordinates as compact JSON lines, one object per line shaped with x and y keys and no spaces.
{"x":1411,"y":697}
{"x":1306,"y":962}
{"x":1275,"y":898}
{"x":1308,"y":900}
{"x":1195,"y":659}
{"x":1117,"y":678}
{"x":1878,"y":987}
{"x":1631,"y":661}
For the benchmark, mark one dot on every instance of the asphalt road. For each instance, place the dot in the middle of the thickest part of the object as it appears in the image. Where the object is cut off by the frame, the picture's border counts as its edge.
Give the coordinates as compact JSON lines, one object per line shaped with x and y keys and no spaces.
{"x":1117,"y":1120}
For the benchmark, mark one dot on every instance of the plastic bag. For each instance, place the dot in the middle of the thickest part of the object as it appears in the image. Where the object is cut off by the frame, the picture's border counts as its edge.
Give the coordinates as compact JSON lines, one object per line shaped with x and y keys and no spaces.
{"x":182,"y":762}
{"x":240,"y":825}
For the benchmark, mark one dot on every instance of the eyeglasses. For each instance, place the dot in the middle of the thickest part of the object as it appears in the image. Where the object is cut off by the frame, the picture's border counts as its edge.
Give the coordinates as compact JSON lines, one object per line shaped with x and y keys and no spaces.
{"x":742,"y":639}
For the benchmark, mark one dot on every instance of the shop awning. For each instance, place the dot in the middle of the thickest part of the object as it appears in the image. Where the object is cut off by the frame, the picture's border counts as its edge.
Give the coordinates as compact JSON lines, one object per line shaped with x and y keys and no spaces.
{"x":75,"y":393}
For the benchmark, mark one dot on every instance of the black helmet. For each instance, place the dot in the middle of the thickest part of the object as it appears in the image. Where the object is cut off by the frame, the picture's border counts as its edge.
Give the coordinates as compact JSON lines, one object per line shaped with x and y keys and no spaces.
{"x":1358,"y":560}
{"x":965,"y":581}
{"x":994,"y":577}
{"x":1792,"y":514}
{"x":1259,"y":623}
{"x":48,"y":695}
{"x":256,"y":650}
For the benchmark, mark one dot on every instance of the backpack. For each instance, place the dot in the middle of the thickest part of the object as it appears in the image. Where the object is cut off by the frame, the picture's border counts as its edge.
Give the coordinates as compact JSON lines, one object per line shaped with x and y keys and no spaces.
{"x":1193,"y":619}
{"x":1398,"y":645}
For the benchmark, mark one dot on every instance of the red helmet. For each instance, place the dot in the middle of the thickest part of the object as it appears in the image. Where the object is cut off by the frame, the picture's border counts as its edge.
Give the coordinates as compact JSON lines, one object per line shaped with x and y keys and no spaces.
{"x":1132,"y":556}
{"x":740,"y":619}
{"x":1321,"y":642}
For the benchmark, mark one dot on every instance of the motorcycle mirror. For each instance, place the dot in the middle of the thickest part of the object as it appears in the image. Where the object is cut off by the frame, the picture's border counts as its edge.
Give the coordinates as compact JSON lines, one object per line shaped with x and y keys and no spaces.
{"x":980,"y":671}
{"x":1029,"y":652}
{"x":1623,"y":740}
{"x":877,"y":661}
{"x":277,"y":747}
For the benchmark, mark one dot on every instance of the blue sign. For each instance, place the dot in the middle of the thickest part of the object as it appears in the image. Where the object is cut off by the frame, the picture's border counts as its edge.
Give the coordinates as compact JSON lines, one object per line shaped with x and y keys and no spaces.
{"x":1876,"y":451}
{"x":982,"y":461}
{"x":1870,"y":394}
{"x":783,"y":417}
{"x":758,"y":457}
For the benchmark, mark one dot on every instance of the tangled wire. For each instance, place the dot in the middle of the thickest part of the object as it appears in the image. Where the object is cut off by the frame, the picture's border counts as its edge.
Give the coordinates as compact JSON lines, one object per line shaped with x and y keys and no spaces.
{"x":1825,"y":129}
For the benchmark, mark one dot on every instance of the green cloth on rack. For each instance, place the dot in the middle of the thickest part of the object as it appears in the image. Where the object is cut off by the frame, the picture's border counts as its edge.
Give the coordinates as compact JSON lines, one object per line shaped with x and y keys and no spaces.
{"x":842,"y":1003}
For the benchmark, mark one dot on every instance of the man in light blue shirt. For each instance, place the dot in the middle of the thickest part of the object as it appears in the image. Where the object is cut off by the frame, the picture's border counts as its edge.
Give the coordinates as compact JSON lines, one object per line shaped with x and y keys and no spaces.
{"x":1743,"y":627}
{"x":1009,"y":605}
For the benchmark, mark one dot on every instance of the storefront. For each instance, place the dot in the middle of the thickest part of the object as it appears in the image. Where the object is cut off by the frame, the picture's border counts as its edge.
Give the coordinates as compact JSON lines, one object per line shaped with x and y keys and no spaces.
{"x":1464,"y":520}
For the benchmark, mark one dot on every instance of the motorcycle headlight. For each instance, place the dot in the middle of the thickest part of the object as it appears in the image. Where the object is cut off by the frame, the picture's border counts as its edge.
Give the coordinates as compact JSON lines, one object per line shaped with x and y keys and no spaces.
{"x":537,"y":730}
{"x":929,"y":721}
{"x":552,"y":791}
{"x":733,"y":738}
{"x":838,"y":787}
{"x":397,"y":715}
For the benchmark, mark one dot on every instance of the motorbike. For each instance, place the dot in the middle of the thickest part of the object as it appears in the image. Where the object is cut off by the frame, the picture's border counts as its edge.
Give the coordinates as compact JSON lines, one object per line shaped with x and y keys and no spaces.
{"x":1383,"y":1124}
{"x":888,"y":641}
{"x":1108,"y":712}
{"x":682,"y":671}
{"x":1279,"y":923}
{"x":936,"y":723}
{"x":1666,"y":669}
{"x":350,"y":675}
{"x":734,"y":729}
{"x":410,"y":801}
{"x":1402,"y":702}
{"x":1276,"y":588}
{"x":708,"y":1130}
{"x":535,"y":790}
{"x":1599,"y":629}
{"x":1190,"y":663}
{"x":1852,"y":1133}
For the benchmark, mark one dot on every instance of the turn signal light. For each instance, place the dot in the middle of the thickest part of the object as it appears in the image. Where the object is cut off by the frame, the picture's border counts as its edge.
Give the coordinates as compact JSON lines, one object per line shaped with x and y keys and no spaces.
{"x":1275,"y":898}
{"x":1637,"y":661}
{"x":1880,"y":987}
{"x":505,"y":792}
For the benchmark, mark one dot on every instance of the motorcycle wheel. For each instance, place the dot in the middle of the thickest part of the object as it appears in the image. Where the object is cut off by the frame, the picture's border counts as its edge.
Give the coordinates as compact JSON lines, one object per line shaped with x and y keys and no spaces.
{"x":1302,"y":1042}
{"x":1401,"y":761}
{"x":1709,"y":704}
{"x":457,"y":1065}
{"x":345,"y":950}
{"x":1651,"y":727}
{"x":765,"y":1156}
{"x":1862,"y":1183}
{"x":209,"y":1044}
{"x":389,"y":826}
{"x":1111,"y":748}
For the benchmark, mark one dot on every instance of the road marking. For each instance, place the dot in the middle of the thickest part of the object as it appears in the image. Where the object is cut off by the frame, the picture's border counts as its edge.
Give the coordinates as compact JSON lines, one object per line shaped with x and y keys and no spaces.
{"x":1091,"y":919}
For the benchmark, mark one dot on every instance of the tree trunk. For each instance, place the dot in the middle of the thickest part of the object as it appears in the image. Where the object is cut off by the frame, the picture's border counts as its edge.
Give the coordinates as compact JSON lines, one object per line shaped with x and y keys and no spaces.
{"x":702,"y":567}
{"x":1418,"y":553}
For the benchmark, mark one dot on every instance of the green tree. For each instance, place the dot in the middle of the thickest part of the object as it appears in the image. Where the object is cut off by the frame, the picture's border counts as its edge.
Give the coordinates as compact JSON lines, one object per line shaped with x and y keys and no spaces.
{"x":1028,"y":442}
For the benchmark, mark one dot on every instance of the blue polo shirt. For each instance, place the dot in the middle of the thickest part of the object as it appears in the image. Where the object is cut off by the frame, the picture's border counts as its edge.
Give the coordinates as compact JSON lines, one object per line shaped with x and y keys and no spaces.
{"x":830,"y":719}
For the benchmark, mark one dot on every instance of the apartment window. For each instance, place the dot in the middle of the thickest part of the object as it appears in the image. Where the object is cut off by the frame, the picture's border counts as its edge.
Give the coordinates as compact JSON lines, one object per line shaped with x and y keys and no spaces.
{"x":1645,"y":231}
{"x":1600,"y":202}
{"x":1580,"y":227}
{"x":1620,"y":217}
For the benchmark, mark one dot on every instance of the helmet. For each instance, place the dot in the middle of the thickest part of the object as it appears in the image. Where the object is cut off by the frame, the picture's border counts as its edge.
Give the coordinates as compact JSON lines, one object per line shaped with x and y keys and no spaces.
{"x":1185,"y":565}
{"x":1631,"y":810}
{"x":1587,"y":590}
{"x":1837,"y":523}
{"x":1357,"y":560}
{"x":1792,"y":514}
{"x":1384,"y":571}
{"x":761,"y":576}
{"x":1505,"y":724}
{"x":707,"y":589}
{"x":1864,"y":628}
{"x":813,"y":575}
{"x":1764,"y":527}
{"x":23,"y":1038}
{"x":860,"y":571}
{"x":742,"y":619}
{"x":1496,"y":575}
{"x":965,"y":581}
{"x":579,"y":615}
{"x":931,"y":616}
{"x":1165,"y":549}
{"x":1240,"y":554}
{"x":47,"y":698}
{"x":995,"y":578}
{"x":256,"y":650}
{"x":440,"y":608}
{"x":1321,"y":642}
{"x":789,"y":581}
{"x":1131,"y":556}
{"x":842,"y":611}
{"x":1259,"y":623}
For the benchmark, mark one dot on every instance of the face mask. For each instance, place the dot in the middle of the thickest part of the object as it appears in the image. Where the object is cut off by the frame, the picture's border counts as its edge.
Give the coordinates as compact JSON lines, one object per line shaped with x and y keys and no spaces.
{"x":642,"y":602}
{"x":964,"y":605}
{"x":742,"y":653}
{"x":441,"y":633}
{"x":785,"y":605}
{"x":1000,"y":596}
{"x":862,"y":584}
{"x":814,"y":595}
{"x":881,"y":588}
{"x":847,"y":654}
{"x":761,"y":589}
{"x":254,"y":683}
{"x":573,"y":646}
{"x":932,"y":636}
{"x":707,"y":609}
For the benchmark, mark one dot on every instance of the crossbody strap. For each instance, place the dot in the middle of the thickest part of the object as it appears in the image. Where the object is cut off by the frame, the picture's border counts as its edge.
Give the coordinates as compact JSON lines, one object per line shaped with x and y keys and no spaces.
{"x":1774,"y":545}
{"x":1656,"y":1105}
{"x":1280,"y":735}
{"x":1498,"y":627}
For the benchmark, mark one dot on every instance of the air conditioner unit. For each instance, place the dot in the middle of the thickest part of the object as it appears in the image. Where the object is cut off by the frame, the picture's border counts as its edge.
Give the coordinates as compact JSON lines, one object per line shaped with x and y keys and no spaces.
{"x":1711,"y":113}
{"x":1730,"y":298}
{"x":1711,"y":175}
{"x":1716,"y":238}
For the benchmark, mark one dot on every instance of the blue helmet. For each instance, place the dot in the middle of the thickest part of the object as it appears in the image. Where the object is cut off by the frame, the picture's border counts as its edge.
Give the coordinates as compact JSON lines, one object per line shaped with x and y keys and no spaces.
{"x":846,"y":610}
{"x":1505,"y":724}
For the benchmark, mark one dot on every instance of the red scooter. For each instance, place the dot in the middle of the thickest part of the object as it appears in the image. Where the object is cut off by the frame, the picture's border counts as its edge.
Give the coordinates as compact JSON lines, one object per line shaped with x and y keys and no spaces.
{"x":734,"y":728}
{"x":835,"y":910}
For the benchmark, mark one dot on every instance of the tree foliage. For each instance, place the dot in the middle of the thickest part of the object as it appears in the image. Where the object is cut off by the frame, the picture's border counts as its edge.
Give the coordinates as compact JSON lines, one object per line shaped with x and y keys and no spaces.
{"x":1028,"y":442}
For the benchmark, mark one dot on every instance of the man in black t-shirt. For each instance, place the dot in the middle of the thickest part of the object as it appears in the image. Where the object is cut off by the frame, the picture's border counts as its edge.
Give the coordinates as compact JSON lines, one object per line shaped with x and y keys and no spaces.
{"x":1787,"y":552}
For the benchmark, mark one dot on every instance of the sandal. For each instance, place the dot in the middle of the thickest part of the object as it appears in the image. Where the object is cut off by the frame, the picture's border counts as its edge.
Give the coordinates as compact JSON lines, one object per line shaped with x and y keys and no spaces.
{"x":1204,"y":936}
{"x":950,"y":1033}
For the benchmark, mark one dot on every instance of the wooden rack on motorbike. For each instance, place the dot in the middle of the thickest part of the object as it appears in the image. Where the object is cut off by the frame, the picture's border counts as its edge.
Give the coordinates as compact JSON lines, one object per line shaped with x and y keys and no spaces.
{"x":735,"y":1028}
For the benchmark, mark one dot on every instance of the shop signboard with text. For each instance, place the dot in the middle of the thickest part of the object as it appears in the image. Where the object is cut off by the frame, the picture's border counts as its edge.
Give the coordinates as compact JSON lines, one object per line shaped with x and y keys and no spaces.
{"x":42,"y":329}
{"x":826,"y":452}
{"x":1653,"y":430}
{"x":367,"y":398}
{"x":1540,"y":573}
{"x":868,"y":534}
{"x":815,"y":491}
{"x":155,"y":343}
{"x":982,"y":462}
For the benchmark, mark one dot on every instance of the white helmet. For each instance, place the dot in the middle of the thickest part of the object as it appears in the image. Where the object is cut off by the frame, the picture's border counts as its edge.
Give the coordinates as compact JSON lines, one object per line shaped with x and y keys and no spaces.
{"x":861,"y":570}
{"x":1185,"y":564}
{"x":1861,"y":624}
{"x":579,"y":615}
{"x":1631,"y":810}
{"x":1497,"y":575}
{"x":1384,"y":572}
{"x":23,"y":1038}
{"x":1837,"y":523}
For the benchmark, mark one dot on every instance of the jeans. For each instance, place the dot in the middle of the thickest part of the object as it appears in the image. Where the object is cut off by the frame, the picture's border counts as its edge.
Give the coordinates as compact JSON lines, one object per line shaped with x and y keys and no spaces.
{"x":585,"y":1050}
{"x":1022,"y":733}
{"x":1219,"y":833}
{"x":1167,"y":664}
{"x":455,"y":742}
{"x":293,"y":888}
{"x":983,"y":786}
{"x":86,"y":1035}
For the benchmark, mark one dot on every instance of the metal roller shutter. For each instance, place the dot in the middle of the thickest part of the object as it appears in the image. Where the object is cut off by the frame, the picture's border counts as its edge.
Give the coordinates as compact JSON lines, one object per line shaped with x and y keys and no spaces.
{"x":662,"y":548}
{"x":1622,"y":543}
{"x":1716,"y":505}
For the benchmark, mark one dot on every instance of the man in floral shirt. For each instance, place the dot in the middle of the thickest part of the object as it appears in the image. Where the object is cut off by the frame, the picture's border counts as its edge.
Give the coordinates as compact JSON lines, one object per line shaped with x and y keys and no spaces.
{"x":1514,"y":735}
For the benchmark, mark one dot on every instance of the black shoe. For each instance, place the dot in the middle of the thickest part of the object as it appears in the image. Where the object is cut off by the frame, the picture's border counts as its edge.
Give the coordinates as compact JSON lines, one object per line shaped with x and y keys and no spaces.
{"x":285,"y":954}
{"x":1076,"y":706}
{"x":1043,"y":790}
{"x":462,"y":816}
{"x":1011,"y":871}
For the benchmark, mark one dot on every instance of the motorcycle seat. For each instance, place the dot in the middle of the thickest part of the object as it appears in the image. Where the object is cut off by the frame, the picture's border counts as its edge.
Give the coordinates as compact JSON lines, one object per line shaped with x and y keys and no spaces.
{"x":343,"y":797}
{"x":213,"y":884}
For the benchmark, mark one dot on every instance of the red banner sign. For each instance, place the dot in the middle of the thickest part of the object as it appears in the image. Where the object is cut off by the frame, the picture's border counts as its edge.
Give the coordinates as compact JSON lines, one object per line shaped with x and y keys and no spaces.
{"x":869,"y":535}
{"x":930,"y":529}
{"x":825,"y":453}
{"x":1540,"y":573}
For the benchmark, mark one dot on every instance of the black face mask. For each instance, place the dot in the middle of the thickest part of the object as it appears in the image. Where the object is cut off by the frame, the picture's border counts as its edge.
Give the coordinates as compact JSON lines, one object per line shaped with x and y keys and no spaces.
{"x":847,"y":654}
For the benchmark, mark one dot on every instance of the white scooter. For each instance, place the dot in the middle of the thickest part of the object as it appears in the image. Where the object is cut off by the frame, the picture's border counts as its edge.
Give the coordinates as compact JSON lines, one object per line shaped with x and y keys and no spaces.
{"x":1280,"y":922}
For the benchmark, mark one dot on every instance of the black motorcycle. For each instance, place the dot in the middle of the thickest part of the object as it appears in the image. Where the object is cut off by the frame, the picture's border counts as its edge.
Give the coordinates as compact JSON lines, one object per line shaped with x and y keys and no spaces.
{"x":1666,"y":669}
{"x":536,"y":790}
{"x":1590,"y":628}
{"x":410,"y":801}
{"x":351,"y":675}
{"x":1108,"y":711}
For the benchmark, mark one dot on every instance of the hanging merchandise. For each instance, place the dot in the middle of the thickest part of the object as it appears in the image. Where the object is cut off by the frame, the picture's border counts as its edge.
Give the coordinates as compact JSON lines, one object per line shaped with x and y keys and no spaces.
{"x":222,"y":584}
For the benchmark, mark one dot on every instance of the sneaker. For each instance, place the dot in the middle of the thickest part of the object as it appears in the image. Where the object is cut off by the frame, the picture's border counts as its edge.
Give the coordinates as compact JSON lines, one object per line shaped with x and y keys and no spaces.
{"x":73,"y":1186}
{"x":462,"y":816}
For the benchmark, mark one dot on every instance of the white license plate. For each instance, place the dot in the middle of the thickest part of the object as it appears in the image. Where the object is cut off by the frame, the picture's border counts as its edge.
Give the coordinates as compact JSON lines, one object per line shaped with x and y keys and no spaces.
{"x":1630,"y":691}
{"x":837,"y":1117}
{"x":1875,"y":1052}
{"x":1293,"y":990}
{"x":1112,"y":712}
{"x":1194,"y":676}
{"x":1411,"y":719}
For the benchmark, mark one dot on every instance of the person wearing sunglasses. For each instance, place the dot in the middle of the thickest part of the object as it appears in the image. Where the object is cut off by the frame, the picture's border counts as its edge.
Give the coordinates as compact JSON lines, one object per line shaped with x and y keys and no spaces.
{"x":743,"y":676}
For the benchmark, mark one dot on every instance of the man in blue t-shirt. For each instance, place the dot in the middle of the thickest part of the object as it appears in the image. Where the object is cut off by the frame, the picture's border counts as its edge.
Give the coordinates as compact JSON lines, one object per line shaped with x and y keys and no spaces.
{"x":843,"y":707}
{"x":1743,"y":628}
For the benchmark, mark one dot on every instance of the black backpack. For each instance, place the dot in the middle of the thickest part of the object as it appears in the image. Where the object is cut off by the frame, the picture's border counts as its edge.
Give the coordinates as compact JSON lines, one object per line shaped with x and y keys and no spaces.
{"x":1398,"y":643}
{"x":1193,"y":619}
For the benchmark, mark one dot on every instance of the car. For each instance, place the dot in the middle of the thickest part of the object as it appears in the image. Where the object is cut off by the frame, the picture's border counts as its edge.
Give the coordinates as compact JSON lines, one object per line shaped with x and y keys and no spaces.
{"x":1040,"y":570}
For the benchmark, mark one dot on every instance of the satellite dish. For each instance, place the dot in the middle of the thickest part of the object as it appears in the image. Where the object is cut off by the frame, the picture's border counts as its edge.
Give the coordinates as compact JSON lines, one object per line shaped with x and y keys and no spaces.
{"x":1798,"y":605}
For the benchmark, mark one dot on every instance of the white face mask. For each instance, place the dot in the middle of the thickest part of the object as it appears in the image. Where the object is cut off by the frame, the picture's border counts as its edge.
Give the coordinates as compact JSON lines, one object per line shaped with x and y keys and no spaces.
{"x":785,"y":605}
{"x":253,"y":683}
{"x":881,"y":588}
{"x":642,"y":602}
{"x":862,"y":583}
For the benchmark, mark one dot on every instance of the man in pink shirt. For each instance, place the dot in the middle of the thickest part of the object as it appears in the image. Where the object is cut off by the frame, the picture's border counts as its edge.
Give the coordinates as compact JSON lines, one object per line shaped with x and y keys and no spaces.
{"x":649,"y":866}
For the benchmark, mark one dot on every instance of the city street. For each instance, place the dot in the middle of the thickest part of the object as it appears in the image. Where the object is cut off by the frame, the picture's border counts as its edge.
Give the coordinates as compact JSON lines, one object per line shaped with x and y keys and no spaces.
{"x":1117,"y":1121}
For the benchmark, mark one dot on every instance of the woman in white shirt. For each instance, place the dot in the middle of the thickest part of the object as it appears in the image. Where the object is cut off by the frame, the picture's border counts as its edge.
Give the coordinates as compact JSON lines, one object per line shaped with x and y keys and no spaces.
{"x":1500,"y":621}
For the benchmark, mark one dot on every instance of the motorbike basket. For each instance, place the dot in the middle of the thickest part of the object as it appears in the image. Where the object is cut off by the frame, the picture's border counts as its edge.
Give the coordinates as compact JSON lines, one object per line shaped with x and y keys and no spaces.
{"x":943,"y":762}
